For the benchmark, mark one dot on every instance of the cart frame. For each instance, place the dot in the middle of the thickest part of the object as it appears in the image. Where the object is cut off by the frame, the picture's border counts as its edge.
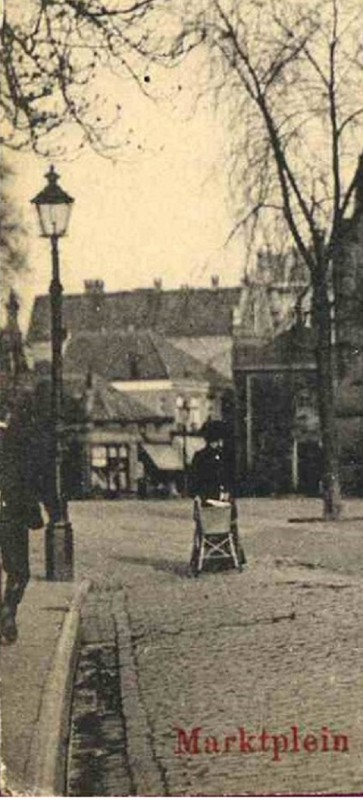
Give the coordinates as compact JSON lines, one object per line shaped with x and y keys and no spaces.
{"x":216,"y":536}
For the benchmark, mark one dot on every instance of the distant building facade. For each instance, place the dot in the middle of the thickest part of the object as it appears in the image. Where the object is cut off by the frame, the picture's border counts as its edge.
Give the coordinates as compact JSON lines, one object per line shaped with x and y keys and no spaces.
{"x":197,"y":320}
{"x":102,"y":433}
{"x":107,"y":337}
{"x":277,"y":423}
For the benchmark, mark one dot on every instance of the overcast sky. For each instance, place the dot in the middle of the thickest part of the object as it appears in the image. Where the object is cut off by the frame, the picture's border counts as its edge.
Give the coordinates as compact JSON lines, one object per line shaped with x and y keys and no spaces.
{"x":159,"y":210}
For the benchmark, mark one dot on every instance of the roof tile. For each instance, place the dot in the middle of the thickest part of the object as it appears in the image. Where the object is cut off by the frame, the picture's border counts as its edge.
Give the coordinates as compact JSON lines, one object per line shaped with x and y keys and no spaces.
{"x":133,"y":355}
{"x":177,"y":312}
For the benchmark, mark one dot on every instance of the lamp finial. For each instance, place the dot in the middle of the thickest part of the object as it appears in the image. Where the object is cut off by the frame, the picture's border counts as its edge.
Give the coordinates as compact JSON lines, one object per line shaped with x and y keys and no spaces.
{"x":52,"y":176}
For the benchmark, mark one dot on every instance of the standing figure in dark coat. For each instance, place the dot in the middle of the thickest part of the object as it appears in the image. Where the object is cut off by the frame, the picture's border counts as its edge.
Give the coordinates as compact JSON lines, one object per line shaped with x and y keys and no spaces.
{"x":19,"y":507}
{"x":210,"y":477}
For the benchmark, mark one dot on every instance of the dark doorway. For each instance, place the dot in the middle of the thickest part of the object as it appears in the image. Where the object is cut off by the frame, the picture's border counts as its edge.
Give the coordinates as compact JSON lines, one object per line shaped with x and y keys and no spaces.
{"x":310,"y":468}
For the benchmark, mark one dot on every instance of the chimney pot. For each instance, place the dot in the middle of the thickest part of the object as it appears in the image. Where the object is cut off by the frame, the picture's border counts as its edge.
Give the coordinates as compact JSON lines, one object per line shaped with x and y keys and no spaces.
{"x":94,"y":286}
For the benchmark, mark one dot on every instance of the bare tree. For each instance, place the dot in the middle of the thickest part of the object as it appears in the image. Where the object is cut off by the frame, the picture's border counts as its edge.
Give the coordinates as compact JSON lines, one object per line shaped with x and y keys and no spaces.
{"x":289,"y":76}
{"x":54,"y":57}
{"x":12,"y":235}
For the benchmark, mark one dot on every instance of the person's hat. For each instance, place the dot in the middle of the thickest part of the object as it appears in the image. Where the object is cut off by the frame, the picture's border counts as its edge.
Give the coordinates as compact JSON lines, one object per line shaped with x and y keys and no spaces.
{"x":212,"y":430}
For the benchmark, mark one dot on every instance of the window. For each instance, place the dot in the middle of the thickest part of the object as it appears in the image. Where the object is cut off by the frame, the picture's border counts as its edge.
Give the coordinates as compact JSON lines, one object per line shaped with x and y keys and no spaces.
{"x":110,"y":469}
{"x":181,"y":410}
{"x":99,"y":456}
{"x":303,"y":400}
{"x":194,"y":413}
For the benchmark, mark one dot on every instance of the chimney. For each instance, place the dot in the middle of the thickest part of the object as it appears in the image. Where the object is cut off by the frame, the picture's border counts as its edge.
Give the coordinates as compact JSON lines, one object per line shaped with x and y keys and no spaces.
{"x":215,"y":281}
{"x":94,"y":291}
{"x":94,"y":286}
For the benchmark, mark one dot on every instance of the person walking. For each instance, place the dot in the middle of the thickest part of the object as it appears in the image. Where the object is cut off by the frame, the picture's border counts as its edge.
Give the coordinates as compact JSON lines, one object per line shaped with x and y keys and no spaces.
{"x":20,"y":488}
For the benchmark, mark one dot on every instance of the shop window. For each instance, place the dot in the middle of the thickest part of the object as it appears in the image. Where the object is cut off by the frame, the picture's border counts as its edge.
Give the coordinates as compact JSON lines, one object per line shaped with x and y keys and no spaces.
{"x":110,"y":469}
{"x":99,"y":456}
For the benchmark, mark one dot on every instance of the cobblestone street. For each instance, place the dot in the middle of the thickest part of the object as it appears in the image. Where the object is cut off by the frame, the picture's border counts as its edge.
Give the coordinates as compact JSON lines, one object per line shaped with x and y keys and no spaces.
{"x":277,"y":648}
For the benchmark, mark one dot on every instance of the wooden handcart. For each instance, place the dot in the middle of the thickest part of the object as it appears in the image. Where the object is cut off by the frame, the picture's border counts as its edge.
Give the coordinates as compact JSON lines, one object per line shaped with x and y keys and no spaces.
{"x":216,"y":538}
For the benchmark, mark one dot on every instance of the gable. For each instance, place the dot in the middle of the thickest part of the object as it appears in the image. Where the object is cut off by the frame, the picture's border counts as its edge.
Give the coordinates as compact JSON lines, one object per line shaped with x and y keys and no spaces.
{"x":133,"y":356}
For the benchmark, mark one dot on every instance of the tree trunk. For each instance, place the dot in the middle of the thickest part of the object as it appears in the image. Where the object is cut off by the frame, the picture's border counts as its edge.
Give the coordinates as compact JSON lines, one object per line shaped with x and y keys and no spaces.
{"x":326,"y":392}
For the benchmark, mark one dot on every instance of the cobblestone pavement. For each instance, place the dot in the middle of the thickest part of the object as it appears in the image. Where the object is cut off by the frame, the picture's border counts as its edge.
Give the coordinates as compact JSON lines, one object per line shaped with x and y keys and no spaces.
{"x":276,"y":648}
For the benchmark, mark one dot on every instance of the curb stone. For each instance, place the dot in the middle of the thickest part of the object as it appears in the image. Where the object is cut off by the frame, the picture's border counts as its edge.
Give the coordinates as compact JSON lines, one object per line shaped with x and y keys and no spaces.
{"x":146,"y":774}
{"x":47,"y":763}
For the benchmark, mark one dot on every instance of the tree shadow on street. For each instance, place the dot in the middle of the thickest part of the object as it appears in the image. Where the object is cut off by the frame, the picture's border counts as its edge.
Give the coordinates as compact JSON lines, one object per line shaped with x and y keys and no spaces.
{"x":325,"y":521}
{"x":181,"y":569}
{"x":178,"y":568}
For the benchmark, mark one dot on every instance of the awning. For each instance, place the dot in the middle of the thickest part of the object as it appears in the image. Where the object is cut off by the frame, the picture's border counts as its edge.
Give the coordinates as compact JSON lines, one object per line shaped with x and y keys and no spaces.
{"x":164,"y":456}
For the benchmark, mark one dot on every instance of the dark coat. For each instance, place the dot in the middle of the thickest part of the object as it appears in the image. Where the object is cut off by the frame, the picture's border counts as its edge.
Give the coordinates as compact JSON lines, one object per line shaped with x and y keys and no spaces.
{"x":20,"y":476}
{"x":209,"y":474}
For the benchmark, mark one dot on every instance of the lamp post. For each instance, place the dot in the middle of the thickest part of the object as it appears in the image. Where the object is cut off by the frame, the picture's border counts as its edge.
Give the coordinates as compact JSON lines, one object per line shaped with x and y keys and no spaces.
{"x":54,"y":206}
{"x":183,"y":415}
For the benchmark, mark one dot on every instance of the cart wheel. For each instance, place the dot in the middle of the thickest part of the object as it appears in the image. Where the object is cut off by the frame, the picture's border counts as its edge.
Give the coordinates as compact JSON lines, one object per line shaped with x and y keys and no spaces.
{"x":193,"y":571}
{"x":242,"y":562}
{"x":241,"y":558}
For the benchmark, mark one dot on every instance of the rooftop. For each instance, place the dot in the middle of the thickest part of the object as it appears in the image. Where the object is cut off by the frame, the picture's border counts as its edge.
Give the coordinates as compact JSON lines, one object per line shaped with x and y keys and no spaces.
{"x":294,"y":346}
{"x":186,"y":311}
{"x":91,"y":397}
{"x":133,"y":355}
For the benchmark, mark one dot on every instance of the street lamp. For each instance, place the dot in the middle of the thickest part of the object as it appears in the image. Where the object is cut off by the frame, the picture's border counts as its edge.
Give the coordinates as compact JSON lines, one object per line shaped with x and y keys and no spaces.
{"x":54,"y":206}
{"x":183,"y":418}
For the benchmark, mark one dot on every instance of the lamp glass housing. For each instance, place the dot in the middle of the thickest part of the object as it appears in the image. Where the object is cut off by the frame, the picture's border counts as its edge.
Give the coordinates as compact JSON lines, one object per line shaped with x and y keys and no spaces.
{"x":54,"y":218}
{"x":53,"y":206}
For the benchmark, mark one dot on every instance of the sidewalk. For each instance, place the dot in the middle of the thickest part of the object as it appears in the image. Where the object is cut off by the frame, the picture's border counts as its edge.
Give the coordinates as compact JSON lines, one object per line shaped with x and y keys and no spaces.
{"x":34,"y":684}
